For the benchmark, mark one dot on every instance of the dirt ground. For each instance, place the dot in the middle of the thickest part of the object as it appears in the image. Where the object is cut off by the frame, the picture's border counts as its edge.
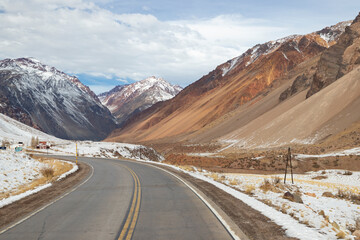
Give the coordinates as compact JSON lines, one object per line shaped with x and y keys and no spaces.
{"x":13,"y":212}
{"x":273,"y":162}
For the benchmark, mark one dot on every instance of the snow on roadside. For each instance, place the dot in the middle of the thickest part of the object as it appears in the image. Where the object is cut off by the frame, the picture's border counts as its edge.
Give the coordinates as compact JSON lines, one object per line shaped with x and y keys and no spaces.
{"x":329,"y":216}
{"x":17,"y":169}
{"x":14,"y":198}
{"x":107,"y":150}
{"x":72,"y":170}
{"x":348,"y":152}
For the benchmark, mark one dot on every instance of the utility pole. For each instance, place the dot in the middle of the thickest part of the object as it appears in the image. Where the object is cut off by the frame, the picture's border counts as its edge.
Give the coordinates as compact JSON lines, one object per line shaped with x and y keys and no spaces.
{"x":288,"y":159}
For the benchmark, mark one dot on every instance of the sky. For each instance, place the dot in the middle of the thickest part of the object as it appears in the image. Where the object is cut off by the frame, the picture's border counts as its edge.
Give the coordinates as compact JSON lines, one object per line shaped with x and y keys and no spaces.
{"x":111,"y":42}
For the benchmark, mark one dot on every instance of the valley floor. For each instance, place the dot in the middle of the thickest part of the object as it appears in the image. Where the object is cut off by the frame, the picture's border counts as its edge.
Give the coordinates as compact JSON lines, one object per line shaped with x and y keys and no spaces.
{"x":323,"y":203}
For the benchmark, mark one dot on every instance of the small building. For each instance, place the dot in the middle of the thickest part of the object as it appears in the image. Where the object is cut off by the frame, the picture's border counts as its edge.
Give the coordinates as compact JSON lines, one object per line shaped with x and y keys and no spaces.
{"x":43,"y":145}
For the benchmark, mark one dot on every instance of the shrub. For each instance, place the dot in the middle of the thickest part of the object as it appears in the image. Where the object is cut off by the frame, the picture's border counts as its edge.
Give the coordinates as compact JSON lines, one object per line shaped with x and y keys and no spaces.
{"x":348,"y":195}
{"x":249,"y":189}
{"x":233,"y":182}
{"x":5,"y":143}
{"x":348,"y":173}
{"x":266,"y":185}
{"x":47,"y":172}
{"x":276,"y":180}
{"x":215,"y":176}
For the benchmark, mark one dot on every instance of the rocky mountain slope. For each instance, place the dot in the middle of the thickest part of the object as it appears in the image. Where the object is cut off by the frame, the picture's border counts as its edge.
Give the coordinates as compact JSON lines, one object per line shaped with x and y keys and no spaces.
{"x":339,"y":59}
{"x":52,"y":101}
{"x":225,"y":99}
{"x":126,"y":100}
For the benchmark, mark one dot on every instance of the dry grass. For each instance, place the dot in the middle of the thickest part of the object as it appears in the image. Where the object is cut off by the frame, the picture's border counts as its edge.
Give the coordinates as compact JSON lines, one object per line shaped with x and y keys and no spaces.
{"x":215,"y":176}
{"x":55,"y":168}
{"x":47,"y":172}
{"x":284,"y":208}
{"x":348,"y":195}
{"x":249,"y":189}
{"x":233,"y":182}
{"x":273,"y":185}
{"x":319,"y":177}
{"x":187,"y":168}
{"x":276,"y":180}
{"x":266,"y":185}
{"x":341,"y":235}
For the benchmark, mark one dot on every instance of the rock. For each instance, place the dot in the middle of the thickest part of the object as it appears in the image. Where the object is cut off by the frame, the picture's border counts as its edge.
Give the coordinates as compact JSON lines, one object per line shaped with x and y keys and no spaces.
{"x":356,"y":234}
{"x":300,"y":83}
{"x":327,"y":194}
{"x":292,"y":197}
{"x":297,"y":198}
{"x":337,"y":60}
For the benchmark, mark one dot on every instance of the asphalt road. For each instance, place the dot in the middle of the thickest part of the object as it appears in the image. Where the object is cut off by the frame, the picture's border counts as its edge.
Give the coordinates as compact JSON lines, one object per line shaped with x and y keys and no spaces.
{"x":123,"y":200}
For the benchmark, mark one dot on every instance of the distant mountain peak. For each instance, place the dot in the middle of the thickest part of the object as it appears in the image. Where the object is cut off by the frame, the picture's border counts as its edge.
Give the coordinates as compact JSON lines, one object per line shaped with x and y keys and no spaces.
{"x":123,"y":100}
{"x":51,"y":100}
{"x":331,"y":34}
{"x":32,"y":66}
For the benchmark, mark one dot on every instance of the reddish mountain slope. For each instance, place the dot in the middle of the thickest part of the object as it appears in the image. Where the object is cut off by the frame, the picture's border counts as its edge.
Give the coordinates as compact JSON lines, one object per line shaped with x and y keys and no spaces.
{"x":239,"y":82}
{"x":330,"y":111}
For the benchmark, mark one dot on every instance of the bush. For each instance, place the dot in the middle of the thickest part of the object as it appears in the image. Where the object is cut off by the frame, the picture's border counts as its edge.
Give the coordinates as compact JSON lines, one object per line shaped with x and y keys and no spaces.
{"x":48,"y":172}
{"x":249,"y":189}
{"x":5,"y":143}
{"x":276,"y":180}
{"x":348,"y":195}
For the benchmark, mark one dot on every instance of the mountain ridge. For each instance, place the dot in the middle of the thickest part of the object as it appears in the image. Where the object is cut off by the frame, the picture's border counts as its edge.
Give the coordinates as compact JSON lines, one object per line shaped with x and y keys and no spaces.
{"x":126,"y":100}
{"x":230,"y":85}
{"x":51,"y":101}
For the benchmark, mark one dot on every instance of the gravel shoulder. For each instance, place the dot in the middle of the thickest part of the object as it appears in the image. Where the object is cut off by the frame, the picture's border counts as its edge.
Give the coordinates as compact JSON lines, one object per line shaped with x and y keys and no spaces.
{"x":22,"y":208}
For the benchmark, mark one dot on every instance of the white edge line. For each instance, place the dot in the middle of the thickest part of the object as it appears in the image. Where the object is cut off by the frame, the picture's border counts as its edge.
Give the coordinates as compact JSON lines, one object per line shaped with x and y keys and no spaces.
{"x":223,"y":222}
{"x":47,"y":205}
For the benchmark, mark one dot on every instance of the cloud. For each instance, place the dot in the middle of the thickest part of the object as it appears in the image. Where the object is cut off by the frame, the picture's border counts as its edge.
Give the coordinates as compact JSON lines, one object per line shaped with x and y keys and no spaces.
{"x":82,"y":38}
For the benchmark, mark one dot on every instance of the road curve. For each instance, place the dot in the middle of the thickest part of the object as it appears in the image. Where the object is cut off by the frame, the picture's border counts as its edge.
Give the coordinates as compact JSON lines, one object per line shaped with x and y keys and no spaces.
{"x":123,"y":200}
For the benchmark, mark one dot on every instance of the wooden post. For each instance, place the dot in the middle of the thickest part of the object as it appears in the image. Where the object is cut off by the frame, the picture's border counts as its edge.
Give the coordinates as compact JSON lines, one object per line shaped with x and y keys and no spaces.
{"x":291,"y":168}
{"x":288,"y":159}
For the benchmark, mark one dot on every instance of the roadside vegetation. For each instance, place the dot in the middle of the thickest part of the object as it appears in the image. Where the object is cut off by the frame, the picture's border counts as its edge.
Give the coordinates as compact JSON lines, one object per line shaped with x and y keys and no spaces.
{"x":50,"y":171}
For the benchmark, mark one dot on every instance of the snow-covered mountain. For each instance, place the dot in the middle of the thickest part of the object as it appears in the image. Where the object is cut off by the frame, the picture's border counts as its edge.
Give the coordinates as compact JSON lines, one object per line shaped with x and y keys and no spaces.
{"x":52,"y":101}
{"x":325,"y":37}
{"x":125,"y":100}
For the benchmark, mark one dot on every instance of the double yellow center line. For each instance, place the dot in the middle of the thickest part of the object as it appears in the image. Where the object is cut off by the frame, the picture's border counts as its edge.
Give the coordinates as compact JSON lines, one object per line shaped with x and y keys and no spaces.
{"x":129,"y":226}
